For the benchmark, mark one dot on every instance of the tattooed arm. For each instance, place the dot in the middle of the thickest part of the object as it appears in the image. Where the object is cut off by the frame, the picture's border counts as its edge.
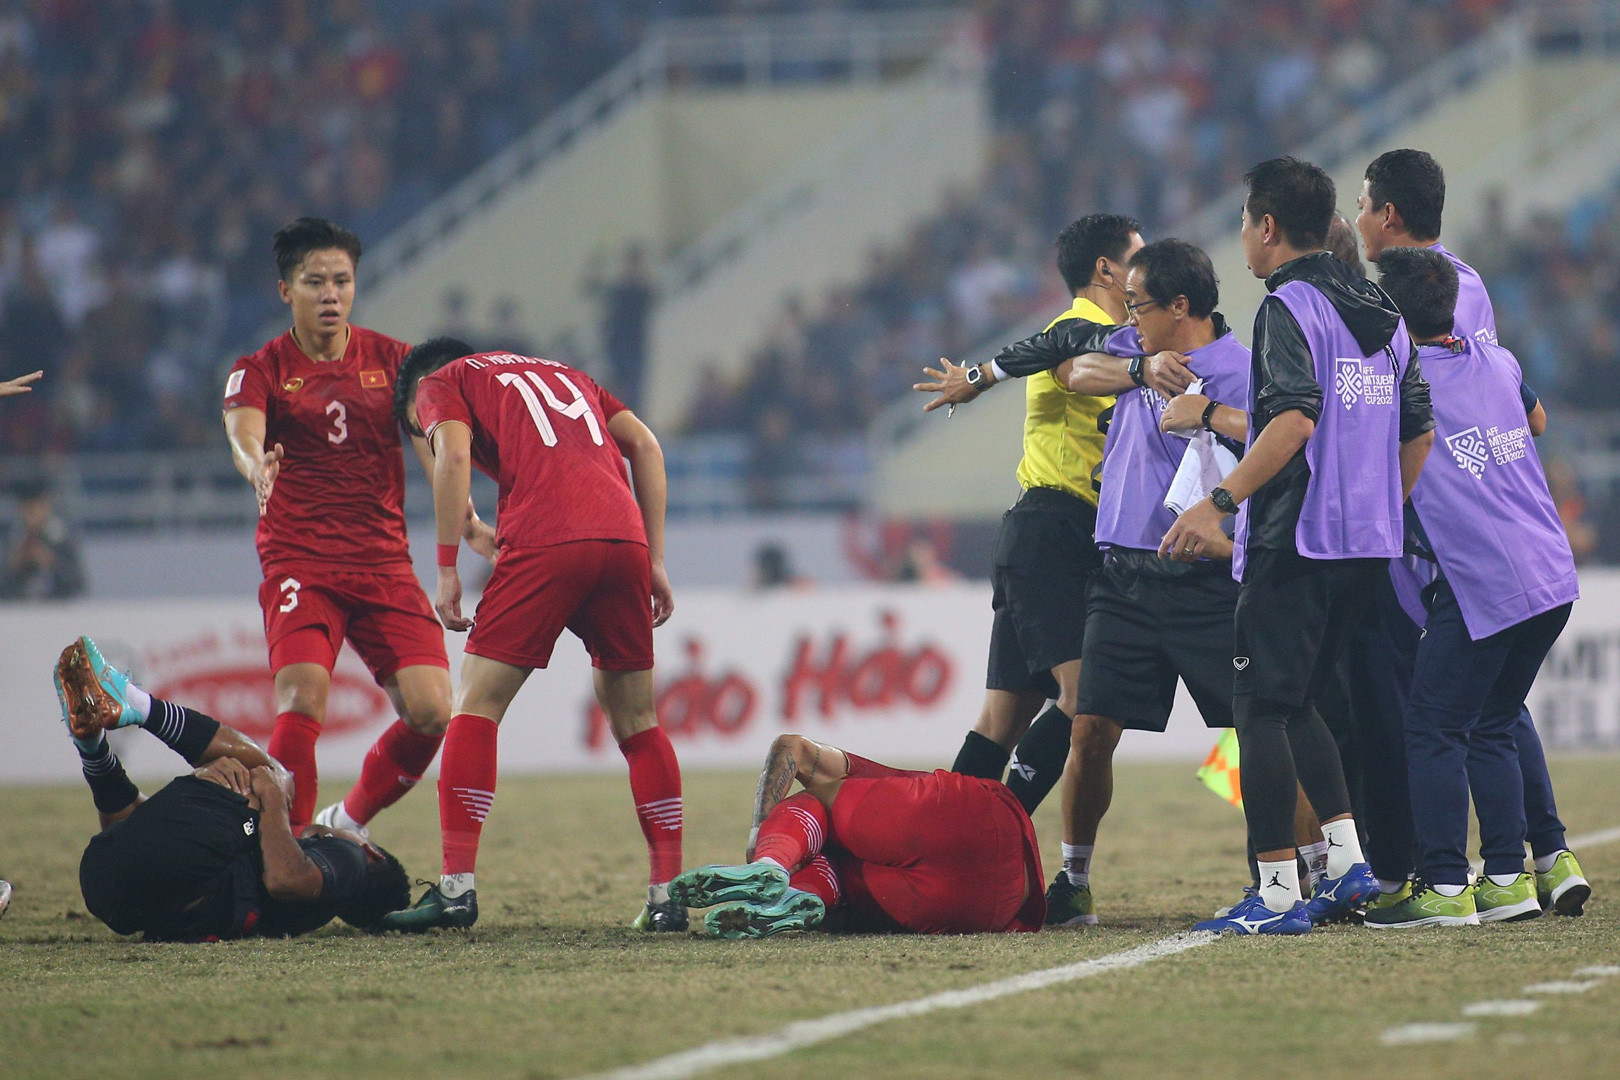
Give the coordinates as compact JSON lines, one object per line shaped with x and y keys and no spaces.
{"x":819,"y":767}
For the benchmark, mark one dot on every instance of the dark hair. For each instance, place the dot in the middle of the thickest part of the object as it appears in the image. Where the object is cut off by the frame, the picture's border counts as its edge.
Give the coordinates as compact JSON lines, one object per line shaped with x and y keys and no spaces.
{"x":1093,"y":237}
{"x":1297,"y":194}
{"x":423,"y":360}
{"x":1172,"y":268}
{"x":387,"y":888}
{"x":1423,"y":284}
{"x":293,"y":243}
{"x":31,"y":488}
{"x":1341,"y":240}
{"x":1415,"y":183}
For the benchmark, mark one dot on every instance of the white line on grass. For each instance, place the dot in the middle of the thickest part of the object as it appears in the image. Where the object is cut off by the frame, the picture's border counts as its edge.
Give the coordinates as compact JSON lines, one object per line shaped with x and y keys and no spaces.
{"x":1604,"y":836}
{"x":1519,"y":1007}
{"x":1422,"y":1033}
{"x":803,"y":1033}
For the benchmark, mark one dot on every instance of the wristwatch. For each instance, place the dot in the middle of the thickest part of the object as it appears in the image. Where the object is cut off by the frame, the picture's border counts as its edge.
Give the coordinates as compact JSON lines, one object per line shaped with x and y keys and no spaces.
{"x":1223,"y":500}
{"x":975,"y":377}
{"x":1134,"y":370}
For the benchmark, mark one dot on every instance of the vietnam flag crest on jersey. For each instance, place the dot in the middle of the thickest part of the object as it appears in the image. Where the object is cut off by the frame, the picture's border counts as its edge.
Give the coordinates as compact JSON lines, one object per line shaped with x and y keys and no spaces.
{"x":373,"y":379}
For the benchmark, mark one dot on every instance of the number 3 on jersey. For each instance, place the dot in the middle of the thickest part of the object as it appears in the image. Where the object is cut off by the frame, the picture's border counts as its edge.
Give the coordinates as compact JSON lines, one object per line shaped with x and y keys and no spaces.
{"x":340,"y":422}
{"x":528,"y":381}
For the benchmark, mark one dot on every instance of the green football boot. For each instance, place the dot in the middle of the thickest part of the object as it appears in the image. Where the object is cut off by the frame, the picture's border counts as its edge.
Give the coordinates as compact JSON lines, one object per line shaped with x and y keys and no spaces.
{"x":1384,"y":899}
{"x":1563,"y":890}
{"x":1068,"y":904}
{"x":434,"y":910}
{"x":760,"y":882}
{"x":1423,"y":907}
{"x":1506,"y":903}
{"x":791,"y":910}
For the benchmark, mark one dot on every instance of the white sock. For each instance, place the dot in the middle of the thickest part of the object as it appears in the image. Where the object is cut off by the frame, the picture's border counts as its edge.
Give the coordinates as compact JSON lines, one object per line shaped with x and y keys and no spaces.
{"x":1504,"y":880}
{"x":773,"y":862}
{"x":140,"y":701}
{"x":1315,"y":856}
{"x":1449,"y":890}
{"x":1390,"y":888}
{"x":1544,"y":863}
{"x":1279,"y":885}
{"x":658,"y":894}
{"x":1343,"y":846}
{"x":1077,"y":864}
{"x":453,"y":885}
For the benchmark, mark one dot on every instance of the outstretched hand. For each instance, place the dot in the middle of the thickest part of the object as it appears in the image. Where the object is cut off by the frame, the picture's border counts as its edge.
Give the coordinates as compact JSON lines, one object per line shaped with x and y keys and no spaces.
{"x":950,"y":384}
{"x":22,"y":384}
{"x":265,"y":471}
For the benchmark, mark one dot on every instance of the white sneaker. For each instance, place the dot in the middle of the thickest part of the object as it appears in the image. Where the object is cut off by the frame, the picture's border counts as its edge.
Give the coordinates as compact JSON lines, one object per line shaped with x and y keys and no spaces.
{"x":5,"y":896}
{"x":334,"y":817}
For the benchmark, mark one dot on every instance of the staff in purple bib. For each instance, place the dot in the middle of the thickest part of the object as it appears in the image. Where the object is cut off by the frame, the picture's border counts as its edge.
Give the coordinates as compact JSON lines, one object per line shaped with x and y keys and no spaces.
{"x":1504,"y":590}
{"x":1339,"y":430}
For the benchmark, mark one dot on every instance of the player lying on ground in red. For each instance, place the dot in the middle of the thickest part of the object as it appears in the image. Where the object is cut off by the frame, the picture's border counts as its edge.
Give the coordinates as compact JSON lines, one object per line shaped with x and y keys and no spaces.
{"x":884,"y":849}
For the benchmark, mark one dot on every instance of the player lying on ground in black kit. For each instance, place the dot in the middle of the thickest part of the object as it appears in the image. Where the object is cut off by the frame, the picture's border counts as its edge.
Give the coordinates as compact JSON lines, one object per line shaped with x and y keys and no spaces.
{"x":212,"y":854}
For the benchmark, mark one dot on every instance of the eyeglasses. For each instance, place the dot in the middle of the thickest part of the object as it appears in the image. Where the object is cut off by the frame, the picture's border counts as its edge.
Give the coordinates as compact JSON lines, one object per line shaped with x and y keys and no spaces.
{"x":1136,"y":309}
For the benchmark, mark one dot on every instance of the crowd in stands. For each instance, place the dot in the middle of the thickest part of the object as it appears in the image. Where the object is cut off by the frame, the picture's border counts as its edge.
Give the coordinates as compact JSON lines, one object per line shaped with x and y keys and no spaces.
{"x":149,"y":148}
{"x":1148,"y":109}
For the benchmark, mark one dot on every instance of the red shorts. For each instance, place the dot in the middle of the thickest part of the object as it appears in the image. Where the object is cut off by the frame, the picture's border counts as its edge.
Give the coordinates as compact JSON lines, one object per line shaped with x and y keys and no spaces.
{"x":938,"y":853}
{"x":386,"y":617}
{"x":599,"y":589}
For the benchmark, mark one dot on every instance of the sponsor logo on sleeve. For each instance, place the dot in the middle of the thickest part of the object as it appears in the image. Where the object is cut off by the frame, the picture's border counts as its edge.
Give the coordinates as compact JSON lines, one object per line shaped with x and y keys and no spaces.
{"x":233,"y":384}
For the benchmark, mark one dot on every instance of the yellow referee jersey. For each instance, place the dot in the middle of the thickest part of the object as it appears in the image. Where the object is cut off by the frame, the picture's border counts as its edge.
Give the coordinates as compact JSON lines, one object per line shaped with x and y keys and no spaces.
{"x":1062,"y":446}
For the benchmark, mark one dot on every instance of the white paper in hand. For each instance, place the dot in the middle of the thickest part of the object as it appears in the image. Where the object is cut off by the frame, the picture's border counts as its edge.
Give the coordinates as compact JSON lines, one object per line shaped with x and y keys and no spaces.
{"x":1205,"y":464}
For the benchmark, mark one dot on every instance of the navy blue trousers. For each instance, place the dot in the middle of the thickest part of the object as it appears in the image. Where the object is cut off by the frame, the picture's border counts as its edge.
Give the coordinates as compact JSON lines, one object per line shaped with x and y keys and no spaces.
{"x":1462,"y":717}
{"x":1379,"y":665}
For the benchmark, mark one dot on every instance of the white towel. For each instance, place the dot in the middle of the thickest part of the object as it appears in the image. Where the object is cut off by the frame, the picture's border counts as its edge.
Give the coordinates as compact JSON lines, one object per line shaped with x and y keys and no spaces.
{"x":1205,"y":464}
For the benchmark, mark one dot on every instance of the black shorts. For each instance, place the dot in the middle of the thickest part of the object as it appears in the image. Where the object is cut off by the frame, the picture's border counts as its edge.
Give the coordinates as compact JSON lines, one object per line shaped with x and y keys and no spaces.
{"x":1044,"y":561}
{"x":1294,"y":618}
{"x":1149,"y":622}
{"x":183,"y":866}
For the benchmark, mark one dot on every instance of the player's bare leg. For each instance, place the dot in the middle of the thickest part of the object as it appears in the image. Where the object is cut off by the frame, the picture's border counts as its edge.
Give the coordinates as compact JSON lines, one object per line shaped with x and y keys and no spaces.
{"x":420,"y":694}
{"x":466,"y":793}
{"x":655,"y":784}
{"x":301,"y":691}
{"x":1087,"y":791}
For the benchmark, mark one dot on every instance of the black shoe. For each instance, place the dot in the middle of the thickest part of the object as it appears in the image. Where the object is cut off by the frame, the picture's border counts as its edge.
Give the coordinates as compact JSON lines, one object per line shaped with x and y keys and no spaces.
{"x":666,"y":918}
{"x":1068,"y":904}
{"x":435,"y":909}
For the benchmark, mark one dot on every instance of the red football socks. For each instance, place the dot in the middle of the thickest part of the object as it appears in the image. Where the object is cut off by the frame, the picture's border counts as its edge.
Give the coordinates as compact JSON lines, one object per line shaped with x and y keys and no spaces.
{"x":292,"y":743}
{"x":818,"y":877}
{"x":655,"y":784}
{"x":394,"y":764}
{"x":466,"y":788}
{"x":794,"y":830}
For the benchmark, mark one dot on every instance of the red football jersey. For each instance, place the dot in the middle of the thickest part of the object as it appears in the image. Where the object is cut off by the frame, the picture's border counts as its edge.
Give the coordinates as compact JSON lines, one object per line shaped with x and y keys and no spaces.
{"x":339,"y":501}
{"x":539,"y":429}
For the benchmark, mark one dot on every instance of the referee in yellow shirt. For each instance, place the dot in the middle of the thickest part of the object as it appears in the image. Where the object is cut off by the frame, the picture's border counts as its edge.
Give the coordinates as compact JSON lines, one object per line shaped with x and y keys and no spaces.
{"x":1044,"y":555}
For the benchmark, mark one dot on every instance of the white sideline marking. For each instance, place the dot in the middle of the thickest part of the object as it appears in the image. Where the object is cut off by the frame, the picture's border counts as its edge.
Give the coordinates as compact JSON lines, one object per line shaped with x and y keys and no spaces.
{"x":1598,"y":971}
{"x":1422,"y":1033}
{"x":803,"y":1033}
{"x":1564,"y":987}
{"x":1603,"y":836}
{"x":1521,"y":1007}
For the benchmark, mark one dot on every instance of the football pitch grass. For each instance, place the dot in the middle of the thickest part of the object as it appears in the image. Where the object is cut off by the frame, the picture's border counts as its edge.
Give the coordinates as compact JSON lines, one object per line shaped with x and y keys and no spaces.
{"x":553,"y":983}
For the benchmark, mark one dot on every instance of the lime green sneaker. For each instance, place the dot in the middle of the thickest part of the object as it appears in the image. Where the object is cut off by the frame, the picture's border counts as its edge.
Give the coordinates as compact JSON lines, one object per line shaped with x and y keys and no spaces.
{"x":1423,"y":907}
{"x":1562,"y":890}
{"x":1506,"y":903}
{"x":1385,"y":899}
{"x":791,"y":910}
{"x":1069,"y":905}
